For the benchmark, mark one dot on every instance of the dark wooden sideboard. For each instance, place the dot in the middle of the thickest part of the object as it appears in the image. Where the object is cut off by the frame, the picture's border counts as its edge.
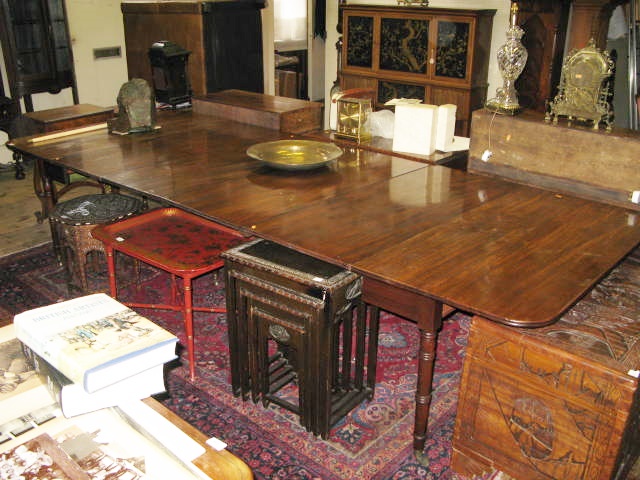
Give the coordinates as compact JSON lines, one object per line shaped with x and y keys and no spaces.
{"x":438,"y":55}
{"x":224,"y":38}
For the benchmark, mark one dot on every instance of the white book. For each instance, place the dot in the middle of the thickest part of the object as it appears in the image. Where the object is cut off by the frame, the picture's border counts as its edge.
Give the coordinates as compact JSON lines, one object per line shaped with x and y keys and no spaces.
{"x":74,"y":400}
{"x":95,"y":340}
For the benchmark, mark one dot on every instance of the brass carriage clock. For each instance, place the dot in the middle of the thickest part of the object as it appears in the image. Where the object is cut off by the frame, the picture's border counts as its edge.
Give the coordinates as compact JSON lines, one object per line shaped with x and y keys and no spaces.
{"x":353,"y":114}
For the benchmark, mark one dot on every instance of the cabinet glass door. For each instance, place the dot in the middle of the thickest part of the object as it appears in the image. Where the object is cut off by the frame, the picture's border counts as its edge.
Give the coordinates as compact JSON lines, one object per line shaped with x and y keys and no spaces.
{"x":60,"y":41}
{"x":38,"y":47}
{"x":452,"y":49}
{"x":404,"y":45}
{"x":360,"y":41}
{"x":30,"y":38}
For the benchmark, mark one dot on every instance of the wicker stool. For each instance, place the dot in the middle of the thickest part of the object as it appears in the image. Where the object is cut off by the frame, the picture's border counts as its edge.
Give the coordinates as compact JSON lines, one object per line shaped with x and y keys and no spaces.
{"x":177,"y":242}
{"x":71,"y":225}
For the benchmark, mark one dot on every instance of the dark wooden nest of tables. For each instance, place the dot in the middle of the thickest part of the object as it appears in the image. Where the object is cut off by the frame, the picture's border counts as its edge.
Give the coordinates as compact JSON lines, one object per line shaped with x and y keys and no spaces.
{"x":423,"y":236}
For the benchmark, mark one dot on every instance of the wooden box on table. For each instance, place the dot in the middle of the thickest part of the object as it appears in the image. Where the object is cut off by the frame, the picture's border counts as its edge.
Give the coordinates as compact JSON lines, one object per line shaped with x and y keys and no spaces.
{"x":288,"y":115}
{"x":64,"y":118}
{"x":558,"y":402}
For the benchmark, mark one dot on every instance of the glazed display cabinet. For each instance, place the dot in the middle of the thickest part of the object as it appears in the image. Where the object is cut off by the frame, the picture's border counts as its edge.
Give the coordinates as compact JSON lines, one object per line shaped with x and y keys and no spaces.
{"x":36,"y":48}
{"x":440,"y":56}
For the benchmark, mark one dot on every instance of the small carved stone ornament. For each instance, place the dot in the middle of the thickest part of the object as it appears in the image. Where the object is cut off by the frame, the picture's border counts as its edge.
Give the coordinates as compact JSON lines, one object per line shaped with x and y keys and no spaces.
{"x":136,"y":108}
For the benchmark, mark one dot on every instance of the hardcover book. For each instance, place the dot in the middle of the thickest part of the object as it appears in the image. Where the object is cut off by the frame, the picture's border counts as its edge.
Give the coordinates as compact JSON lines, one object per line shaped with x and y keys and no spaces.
{"x":74,"y":399}
{"x":95,"y":341}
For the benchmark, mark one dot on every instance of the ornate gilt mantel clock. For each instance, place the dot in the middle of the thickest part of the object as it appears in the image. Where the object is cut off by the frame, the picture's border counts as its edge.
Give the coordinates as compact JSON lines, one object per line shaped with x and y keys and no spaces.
{"x":583,"y":93}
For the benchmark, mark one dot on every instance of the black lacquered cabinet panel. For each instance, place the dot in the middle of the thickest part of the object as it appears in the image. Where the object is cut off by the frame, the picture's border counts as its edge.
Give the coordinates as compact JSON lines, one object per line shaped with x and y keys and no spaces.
{"x":404,"y":45}
{"x":452,"y":49}
{"x":360,"y":38}
{"x":387,"y":90}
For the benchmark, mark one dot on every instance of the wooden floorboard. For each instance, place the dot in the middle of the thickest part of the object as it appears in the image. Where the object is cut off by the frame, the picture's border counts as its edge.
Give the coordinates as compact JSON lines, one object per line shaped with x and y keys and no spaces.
{"x":19,"y":228}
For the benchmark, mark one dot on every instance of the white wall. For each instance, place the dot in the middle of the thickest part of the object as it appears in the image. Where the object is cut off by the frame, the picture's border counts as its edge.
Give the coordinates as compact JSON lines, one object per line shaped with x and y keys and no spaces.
{"x":97,"y":24}
{"x":500,"y":25}
{"x":268,"y":57}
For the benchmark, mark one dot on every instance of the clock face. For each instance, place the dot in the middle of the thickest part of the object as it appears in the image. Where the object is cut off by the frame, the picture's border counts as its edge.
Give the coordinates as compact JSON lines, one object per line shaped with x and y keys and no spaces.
{"x":584,"y":75}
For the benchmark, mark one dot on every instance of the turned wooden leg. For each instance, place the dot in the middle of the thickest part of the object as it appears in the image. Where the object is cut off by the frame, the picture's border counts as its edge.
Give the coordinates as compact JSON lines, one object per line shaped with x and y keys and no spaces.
{"x":44,"y":190}
{"x":427,"y":313}
{"x":429,"y":322}
{"x":19,"y":166}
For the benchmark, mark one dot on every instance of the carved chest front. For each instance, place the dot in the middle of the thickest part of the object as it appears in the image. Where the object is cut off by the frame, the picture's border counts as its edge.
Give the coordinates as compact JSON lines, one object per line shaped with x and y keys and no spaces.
{"x":558,"y":402}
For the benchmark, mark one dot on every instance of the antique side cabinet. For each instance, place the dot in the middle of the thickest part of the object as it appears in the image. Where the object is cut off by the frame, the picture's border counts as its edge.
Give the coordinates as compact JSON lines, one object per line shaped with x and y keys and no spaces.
{"x":437,"y":55}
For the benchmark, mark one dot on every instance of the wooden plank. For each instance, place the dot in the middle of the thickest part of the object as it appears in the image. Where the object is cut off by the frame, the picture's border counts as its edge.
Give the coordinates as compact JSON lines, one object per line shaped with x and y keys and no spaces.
{"x":214,"y":463}
{"x":289,"y":115}
{"x":574,"y":160}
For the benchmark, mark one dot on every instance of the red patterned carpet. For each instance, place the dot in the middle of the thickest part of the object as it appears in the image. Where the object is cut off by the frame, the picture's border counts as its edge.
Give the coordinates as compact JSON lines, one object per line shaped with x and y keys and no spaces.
{"x":372,"y":442}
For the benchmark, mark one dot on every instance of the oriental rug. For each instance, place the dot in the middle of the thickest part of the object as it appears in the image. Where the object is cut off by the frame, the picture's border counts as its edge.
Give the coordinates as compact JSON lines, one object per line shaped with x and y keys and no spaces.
{"x":374,"y":441}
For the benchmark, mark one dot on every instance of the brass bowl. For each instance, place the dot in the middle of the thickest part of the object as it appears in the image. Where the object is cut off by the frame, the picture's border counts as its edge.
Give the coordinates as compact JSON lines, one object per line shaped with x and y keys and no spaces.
{"x":294,"y":154}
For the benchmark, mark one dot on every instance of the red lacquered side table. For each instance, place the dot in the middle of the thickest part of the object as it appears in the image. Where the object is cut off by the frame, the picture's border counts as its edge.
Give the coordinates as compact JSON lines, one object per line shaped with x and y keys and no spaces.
{"x":180,"y":243}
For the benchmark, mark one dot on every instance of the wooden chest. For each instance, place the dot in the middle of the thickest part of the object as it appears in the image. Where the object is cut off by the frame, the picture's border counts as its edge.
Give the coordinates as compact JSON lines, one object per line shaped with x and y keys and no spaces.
{"x":288,"y":115}
{"x":558,"y":402}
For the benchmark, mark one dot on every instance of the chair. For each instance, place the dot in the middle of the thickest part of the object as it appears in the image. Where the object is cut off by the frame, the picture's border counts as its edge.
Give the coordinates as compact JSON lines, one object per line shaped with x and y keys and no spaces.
{"x":71,"y":224}
{"x":180,"y":243}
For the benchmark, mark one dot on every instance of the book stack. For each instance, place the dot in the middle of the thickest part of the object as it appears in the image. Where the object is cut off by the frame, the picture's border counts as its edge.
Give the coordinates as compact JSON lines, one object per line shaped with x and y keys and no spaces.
{"x":94,"y":352}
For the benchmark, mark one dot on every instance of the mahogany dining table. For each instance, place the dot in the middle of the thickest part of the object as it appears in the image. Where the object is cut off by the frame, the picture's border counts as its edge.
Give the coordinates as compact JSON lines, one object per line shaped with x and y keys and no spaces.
{"x":424,"y":237}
